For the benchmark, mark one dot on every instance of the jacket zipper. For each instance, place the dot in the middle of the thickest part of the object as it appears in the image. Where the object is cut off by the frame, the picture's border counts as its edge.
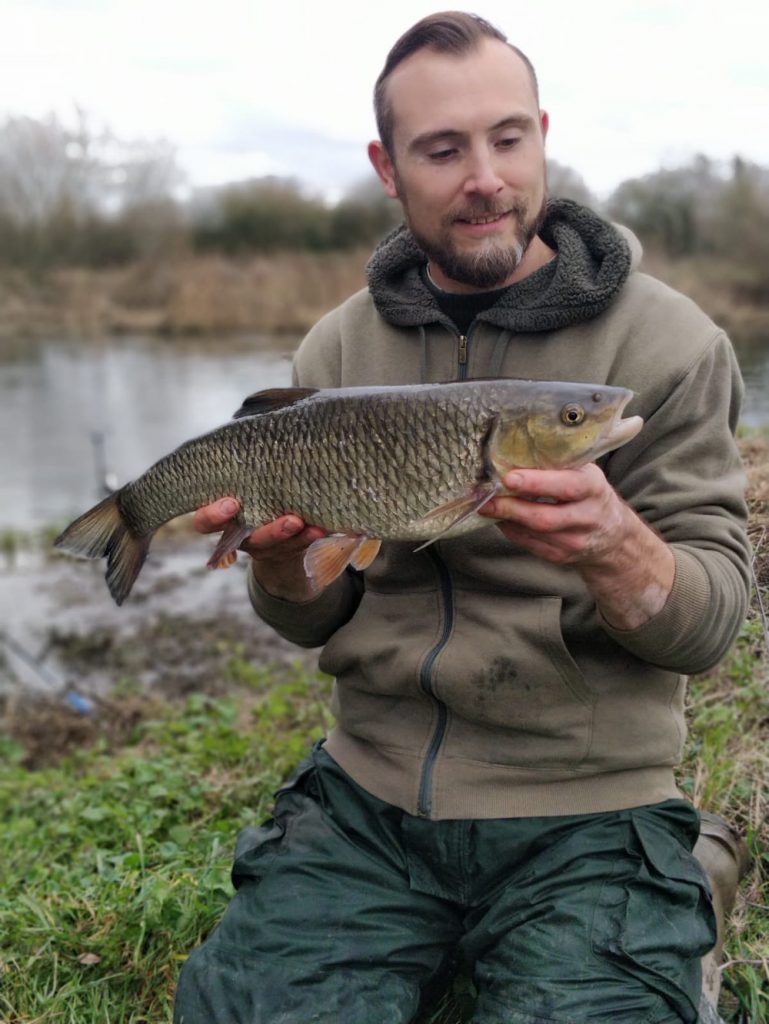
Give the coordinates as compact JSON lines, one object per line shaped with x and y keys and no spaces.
{"x":462,"y":355}
{"x":425,"y":799}
{"x":463,"y":344}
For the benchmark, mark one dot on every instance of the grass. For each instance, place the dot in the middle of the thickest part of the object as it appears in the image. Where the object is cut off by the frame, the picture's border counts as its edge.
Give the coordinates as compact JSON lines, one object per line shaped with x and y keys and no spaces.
{"x":116,"y":858}
{"x":727,"y":771}
{"x":116,"y":862}
{"x":718,"y":287}
{"x":210,"y":295}
{"x":283,"y":292}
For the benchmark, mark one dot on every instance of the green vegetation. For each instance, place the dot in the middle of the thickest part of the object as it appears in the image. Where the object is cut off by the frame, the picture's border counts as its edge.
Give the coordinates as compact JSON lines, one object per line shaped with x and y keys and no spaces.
{"x":77,"y":196}
{"x":116,"y":861}
{"x":13,"y":542}
{"x":707,"y":211}
{"x":116,"y":857}
{"x":273,"y":214}
{"x":727,"y":771}
{"x":94,"y":238}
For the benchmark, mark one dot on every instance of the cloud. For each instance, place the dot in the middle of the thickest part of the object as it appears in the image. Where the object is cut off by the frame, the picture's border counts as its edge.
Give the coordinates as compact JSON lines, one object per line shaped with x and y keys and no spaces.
{"x":330,"y":165}
{"x":286,"y":88}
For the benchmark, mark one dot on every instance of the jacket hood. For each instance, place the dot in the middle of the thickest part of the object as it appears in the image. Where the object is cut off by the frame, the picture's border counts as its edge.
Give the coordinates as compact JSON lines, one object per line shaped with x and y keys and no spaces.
{"x":593,"y":259}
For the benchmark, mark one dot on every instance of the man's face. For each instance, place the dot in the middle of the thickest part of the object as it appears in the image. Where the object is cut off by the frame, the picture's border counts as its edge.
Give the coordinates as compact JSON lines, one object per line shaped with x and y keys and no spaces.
{"x":468,"y":163}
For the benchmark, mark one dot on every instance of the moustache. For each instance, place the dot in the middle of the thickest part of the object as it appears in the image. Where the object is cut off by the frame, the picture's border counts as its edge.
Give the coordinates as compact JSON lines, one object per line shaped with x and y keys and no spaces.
{"x":488,"y":208}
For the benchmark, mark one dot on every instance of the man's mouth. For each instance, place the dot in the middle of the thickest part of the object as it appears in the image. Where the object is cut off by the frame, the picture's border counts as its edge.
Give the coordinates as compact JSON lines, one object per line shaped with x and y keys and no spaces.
{"x":490,"y":218}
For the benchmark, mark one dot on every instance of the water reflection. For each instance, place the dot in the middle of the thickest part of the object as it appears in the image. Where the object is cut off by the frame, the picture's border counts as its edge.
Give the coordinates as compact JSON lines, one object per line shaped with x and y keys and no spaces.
{"x":144,"y":397}
{"x":753,"y":356}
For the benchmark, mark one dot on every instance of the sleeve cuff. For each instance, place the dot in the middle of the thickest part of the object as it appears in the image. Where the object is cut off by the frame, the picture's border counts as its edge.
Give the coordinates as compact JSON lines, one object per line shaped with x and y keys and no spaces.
{"x":671,"y":638}
{"x":307,"y":623}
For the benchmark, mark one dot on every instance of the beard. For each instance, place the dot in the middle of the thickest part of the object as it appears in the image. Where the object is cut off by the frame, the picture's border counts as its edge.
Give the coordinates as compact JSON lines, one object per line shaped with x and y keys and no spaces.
{"x":492,"y":262}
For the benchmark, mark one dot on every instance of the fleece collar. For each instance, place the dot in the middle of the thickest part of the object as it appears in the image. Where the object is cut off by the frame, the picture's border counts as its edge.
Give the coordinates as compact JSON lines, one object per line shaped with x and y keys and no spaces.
{"x":593,"y":259}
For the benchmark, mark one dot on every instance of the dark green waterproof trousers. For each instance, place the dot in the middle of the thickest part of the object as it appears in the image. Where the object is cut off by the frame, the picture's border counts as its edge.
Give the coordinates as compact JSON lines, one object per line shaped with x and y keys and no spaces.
{"x":349,"y":911}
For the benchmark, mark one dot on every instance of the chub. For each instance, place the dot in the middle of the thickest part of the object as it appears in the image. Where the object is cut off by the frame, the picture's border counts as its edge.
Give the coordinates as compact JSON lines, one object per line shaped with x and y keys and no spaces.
{"x":415,"y":462}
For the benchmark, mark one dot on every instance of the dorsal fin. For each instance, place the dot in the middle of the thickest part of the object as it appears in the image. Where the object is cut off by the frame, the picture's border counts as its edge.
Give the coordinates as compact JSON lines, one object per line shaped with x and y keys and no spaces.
{"x":272,"y":399}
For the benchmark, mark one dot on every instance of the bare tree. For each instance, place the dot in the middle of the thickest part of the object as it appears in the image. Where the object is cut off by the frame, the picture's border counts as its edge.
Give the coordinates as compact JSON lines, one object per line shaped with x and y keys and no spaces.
{"x":73,"y":193}
{"x":564,"y":182}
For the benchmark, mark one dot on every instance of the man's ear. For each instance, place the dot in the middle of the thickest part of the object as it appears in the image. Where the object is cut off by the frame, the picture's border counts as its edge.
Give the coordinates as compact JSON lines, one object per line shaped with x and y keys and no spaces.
{"x":383,"y":165}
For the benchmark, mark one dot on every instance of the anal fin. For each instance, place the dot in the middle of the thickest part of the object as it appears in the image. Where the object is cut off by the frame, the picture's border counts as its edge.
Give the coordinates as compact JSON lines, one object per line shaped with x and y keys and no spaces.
{"x":224,"y":554}
{"x":227,"y":560}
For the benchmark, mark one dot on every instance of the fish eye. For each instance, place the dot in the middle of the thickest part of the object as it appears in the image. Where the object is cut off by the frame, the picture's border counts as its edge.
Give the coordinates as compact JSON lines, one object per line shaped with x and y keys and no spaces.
{"x":572,"y":414}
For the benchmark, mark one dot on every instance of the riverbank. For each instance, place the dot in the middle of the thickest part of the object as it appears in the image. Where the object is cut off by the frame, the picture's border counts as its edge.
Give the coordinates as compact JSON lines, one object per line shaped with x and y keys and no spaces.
{"x":120,"y":810}
{"x":281,"y":293}
{"x":716,"y":288}
{"x":190,"y":295}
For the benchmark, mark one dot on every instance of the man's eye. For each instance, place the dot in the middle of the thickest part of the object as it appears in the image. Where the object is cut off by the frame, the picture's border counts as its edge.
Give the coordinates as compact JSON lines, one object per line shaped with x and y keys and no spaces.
{"x":508,"y":142}
{"x":442,"y":154}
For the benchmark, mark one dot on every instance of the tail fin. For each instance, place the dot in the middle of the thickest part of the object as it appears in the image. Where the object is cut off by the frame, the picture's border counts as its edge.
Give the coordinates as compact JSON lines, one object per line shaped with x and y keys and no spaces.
{"x":103,"y":533}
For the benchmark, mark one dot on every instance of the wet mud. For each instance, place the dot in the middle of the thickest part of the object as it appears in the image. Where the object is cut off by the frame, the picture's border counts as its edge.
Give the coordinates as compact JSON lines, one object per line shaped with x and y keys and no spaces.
{"x":74,"y":667}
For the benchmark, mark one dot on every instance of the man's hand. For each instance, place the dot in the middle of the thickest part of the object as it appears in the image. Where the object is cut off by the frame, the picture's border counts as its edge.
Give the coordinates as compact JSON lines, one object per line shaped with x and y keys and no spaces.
{"x":276,"y":549}
{"x":575,"y":517}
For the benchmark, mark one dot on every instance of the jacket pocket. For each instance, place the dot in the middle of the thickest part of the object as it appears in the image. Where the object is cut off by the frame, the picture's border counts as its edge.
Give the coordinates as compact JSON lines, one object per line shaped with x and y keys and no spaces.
{"x":520,"y":697}
{"x":655,"y":920}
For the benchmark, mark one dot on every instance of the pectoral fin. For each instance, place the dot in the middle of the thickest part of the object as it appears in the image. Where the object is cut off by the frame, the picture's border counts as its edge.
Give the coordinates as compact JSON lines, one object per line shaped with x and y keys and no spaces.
{"x":465,"y":506}
{"x":328,"y":557}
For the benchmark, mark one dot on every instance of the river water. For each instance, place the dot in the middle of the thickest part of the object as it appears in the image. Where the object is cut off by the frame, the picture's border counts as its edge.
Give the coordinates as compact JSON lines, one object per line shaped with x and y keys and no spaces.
{"x":73,"y":412}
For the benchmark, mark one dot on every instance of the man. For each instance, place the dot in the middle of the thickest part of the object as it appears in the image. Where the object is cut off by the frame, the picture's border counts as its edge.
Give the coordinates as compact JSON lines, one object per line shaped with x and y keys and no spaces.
{"x":499,"y":786}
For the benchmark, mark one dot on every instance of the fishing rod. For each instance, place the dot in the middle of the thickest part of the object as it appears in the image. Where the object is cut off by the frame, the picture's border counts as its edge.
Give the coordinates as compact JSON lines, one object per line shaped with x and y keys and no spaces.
{"x":53,"y":682}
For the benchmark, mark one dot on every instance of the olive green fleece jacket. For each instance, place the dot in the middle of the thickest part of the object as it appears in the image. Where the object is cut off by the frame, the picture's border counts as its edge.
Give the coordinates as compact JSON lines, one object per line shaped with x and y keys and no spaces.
{"x":472,"y":678}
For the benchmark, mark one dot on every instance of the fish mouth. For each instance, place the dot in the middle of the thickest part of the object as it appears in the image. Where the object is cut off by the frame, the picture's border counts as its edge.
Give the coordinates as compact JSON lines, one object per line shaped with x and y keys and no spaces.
{"x":624,"y":430}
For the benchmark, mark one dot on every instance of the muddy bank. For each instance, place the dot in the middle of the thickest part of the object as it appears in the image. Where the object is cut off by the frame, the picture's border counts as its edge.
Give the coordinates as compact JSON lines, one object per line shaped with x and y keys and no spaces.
{"x":76,"y":670}
{"x":178,"y":633}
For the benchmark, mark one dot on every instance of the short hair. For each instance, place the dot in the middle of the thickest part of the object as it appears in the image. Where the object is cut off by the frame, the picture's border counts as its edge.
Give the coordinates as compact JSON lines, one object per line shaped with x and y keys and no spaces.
{"x":445,"y":32}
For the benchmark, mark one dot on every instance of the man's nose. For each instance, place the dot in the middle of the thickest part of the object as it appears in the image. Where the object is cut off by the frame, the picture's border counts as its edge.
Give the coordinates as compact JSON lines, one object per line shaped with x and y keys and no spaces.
{"x":482,"y":175}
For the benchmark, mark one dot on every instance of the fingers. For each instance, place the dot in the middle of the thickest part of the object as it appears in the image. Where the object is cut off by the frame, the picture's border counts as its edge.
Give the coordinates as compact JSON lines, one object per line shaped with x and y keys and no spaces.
{"x":288,"y":532}
{"x":211,"y":518}
{"x":547,"y":499}
{"x":556,"y":484}
{"x":282,"y":537}
{"x":565,"y":516}
{"x":540,"y":516}
{"x":277,"y":557}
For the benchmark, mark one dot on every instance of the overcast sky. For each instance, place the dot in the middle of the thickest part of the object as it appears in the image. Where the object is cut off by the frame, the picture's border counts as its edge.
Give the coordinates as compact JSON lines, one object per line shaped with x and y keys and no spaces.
{"x":250,"y":87}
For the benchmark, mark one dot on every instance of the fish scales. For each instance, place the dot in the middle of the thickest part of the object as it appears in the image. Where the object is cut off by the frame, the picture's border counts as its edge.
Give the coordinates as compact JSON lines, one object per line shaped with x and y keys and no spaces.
{"x":375,"y":464}
{"x":399,"y":463}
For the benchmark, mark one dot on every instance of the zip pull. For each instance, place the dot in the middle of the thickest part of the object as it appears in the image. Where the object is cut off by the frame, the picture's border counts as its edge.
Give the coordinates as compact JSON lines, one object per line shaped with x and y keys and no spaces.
{"x":462,"y":349}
